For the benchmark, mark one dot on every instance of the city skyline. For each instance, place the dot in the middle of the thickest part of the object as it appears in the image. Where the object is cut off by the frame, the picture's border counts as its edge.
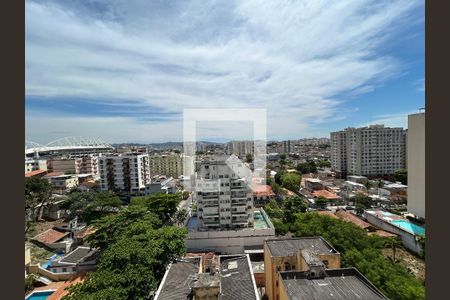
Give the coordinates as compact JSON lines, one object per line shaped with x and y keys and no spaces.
{"x":124,"y":73}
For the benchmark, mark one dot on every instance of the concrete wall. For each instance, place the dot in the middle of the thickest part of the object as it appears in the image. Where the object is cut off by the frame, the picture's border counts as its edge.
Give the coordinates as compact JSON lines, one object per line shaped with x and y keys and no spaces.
{"x":409,"y":240}
{"x":416,"y":164}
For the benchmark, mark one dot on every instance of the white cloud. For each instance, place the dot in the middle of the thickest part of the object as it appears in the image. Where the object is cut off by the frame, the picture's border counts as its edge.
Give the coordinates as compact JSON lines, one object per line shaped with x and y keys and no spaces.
{"x":292,"y":57}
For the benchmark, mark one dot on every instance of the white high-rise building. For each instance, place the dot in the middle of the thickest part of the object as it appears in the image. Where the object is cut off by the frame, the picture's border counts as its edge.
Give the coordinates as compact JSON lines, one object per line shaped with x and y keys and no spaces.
{"x":224,"y":199}
{"x":124,"y":173}
{"x":169,"y":165}
{"x":416,"y":164}
{"x":368,"y":151}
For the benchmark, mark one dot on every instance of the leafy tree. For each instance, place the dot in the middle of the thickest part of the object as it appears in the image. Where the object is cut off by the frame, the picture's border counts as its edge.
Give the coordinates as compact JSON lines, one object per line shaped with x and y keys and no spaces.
{"x":323,"y":163}
{"x":291,"y":181}
{"x":291,"y":206}
{"x":273,"y":209}
{"x":180,"y":216}
{"x":307,"y":167}
{"x":360,"y":250}
{"x":367,"y":184}
{"x":277,"y":177}
{"x":163,"y":205}
{"x":186,"y":195}
{"x":77,"y":203}
{"x":37,"y":192}
{"x":30,"y":281}
{"x":136,"y":253}
{"x":321,"y":202}
{"x":275,"y":188}
{"x":402,"y":176}
{"x":93,"y":205}
{"x":283,"y":156}
{"x":248,"y":158}
{"x":363,"y":202}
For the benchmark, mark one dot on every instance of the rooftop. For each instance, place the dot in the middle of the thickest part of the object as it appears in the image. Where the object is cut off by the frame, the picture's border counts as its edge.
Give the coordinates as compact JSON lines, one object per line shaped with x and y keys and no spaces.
{"x":349,"y":217}
{"x":78,"y":255}
{"x":337,"y":284}
{"x":326,"y":194}
{"x":35,"y":173}
{"x":236,"y":278}
{"x":289,"y":247}
{"x":50,"y":236}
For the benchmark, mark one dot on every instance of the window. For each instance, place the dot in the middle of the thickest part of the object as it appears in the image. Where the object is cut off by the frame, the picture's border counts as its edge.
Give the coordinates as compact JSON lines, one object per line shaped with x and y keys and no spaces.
{"x":64,"y":270}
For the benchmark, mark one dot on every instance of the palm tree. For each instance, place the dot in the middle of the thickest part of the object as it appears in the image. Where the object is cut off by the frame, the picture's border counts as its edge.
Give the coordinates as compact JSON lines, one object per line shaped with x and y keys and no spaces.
{"x":394,"y":242}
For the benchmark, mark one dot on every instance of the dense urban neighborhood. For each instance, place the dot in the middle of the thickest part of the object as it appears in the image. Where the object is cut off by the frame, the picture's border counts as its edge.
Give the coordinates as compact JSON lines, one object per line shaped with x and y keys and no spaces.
{"x":342,"y":215}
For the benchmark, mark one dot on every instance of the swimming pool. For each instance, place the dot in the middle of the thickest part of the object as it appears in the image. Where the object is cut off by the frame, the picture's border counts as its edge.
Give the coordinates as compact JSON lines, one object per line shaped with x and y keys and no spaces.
{"x":260,"y":221}
{"x":42,"y":295}
{"x":47,"y":264}
{"x":410,"y":227}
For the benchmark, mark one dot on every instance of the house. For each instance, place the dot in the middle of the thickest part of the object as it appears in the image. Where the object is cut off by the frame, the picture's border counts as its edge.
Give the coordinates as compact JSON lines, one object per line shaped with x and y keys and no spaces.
{"x":36,"y":173}
{"x":299,"y":254}
{"x":61,"y":183}
{"x":54,"y":240}
{"x":262,"y":194}
{"x":82,"y":259}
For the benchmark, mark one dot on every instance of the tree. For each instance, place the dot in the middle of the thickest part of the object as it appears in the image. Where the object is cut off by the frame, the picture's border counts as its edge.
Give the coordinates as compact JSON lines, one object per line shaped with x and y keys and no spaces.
{"x":283,"y":156}
{"x":277,"y":177}
{"x":186,"y":195}
{"x":103,"y":203}
{"x":248,"y":158}
{"x":402,"y":176}
{"x":77,"y":203}
{"x":136,"y":252}
{"x":30,"y":281}
{"x":291,"y":181}
{"x":291,"y":206}
{"x":307,"y":167}
{"x":180,"y":216}
{"x":323,"y":163}
{"x":360,"y":250}
{"x":321,"y":202}
{"x":367,"y":184}
{"x":37,"y":193}
{"x":394,"y":243}
{"x":163,"y":205}
{"x":362,"y":202}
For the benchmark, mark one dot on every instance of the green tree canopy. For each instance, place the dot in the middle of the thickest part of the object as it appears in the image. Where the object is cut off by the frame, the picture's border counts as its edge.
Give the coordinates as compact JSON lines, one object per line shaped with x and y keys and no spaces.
{"x":293,"y":205}
{"x":291,"y":181}
{"x":307,"y":167}
{"x":402,"y":176}
{"x":38,"y":191}
{"x":321,"y":202}
{"x":163,"y":205}
{"x":248,"y":158}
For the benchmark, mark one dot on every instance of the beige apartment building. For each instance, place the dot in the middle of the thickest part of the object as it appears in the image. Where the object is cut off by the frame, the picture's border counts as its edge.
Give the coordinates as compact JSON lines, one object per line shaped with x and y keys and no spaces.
{"x":368,"y":151}
{"x":311,"y":254}
{"x":79,"y":165}
{"x":169,"y":165}
{"x":416,"y":164}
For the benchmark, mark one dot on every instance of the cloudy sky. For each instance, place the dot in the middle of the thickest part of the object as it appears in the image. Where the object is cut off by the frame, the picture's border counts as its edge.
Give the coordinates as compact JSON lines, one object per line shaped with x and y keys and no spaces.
{"x":123,"y":71}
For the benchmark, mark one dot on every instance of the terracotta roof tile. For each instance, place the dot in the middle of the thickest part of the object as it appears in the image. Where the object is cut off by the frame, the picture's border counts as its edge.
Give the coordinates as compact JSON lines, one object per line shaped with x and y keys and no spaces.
{"x":50,"y":236}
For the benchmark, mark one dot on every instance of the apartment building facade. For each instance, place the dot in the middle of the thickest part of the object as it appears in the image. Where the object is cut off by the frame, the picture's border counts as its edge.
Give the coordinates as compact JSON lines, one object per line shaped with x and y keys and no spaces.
{"x":224,"y":200}
{"x":124,"y":173}
{"x":77,"y":165}
{"x":368,"y":151}
{"x":35,"y":164}
{"x":241,"y":148}
{"x":169,"y":165}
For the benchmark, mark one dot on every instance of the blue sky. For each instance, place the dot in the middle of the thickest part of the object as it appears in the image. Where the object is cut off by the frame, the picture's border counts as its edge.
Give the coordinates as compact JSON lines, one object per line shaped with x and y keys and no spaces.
{"x":123,"y":71}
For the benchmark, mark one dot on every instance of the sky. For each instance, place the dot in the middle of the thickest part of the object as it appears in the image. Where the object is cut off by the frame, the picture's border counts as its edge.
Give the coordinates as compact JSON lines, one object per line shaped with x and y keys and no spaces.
{"x":123,"y":71}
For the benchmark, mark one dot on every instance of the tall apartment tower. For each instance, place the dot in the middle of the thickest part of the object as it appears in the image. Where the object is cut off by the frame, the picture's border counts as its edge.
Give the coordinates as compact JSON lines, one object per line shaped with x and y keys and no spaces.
{"x":224,"y":199}
{"x":125,"y":174}
{"x":368,"y":151}
{"x":416,"y":164}
{"x":287,"y":146}
{"x":240,"y":148}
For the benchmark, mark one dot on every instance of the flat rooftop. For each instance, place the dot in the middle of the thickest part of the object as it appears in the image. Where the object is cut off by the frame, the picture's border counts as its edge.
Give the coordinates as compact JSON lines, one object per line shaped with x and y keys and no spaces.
{"x":342,"y":284}
{"x":289,"y":247}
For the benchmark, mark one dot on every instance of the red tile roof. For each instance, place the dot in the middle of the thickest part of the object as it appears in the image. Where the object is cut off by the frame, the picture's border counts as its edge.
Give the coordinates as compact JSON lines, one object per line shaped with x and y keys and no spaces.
{"x":35,"y":173}
{"x":61,"y":291}
{"x":50,"y":236}
{"x":54,"y":174}
{"x":348,"y":217}
{"x":260,"y":190}
{"x":327,"y":213}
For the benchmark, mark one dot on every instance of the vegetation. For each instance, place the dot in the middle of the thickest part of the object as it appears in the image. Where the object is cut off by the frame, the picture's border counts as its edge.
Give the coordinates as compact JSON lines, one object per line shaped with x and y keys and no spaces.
{"x":30,"y":281}
{"x":136,"y":248}
{"x":307,"y":167}
{"x":358,"y":249}
{"x":291,"y":181}
{"x":163,"y":205}
{"x":362,"y":202}
{"x":248,"y":158}
{"x":402,"y":176}
{"x":291,"y":206}
{"x":321,"y":202}
{"x":38,"y":192}
{"x":186,"y":195}
{"x":323,"y":163}
{"x":90,"y":206}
